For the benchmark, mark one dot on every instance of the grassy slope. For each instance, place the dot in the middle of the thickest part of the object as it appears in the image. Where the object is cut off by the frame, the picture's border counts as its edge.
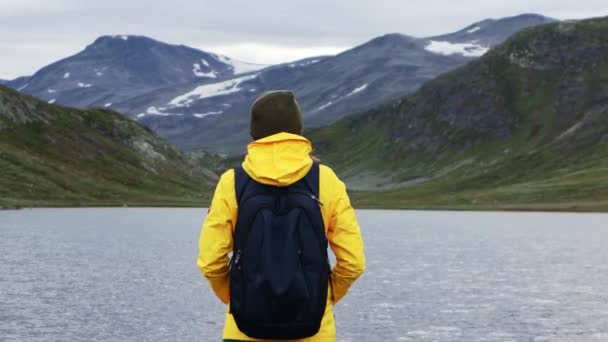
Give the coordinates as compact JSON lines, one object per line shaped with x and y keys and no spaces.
{"x":530,"y":168}
{"x":92,"y":157}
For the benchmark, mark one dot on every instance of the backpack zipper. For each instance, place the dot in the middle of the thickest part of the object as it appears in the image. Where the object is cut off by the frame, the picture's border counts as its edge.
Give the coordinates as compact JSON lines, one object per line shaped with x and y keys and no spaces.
{"x":237,"y":258}
{"x":316,"y":199}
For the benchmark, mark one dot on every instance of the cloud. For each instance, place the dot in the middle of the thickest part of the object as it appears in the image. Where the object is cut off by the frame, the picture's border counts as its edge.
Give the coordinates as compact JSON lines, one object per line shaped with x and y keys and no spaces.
{"x":34,"y":31}
{"x":26,"y":8}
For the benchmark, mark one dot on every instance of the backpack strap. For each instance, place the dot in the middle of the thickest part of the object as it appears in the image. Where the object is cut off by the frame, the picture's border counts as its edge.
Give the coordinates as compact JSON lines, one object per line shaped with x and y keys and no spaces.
{"x":312,"y":179}
{"x":241,"y":179}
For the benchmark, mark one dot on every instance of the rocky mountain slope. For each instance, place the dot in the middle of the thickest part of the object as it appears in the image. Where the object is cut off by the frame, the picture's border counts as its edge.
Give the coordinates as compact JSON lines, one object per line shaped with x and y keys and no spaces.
{"x":525,"y":126}
{"x":51,"y":155}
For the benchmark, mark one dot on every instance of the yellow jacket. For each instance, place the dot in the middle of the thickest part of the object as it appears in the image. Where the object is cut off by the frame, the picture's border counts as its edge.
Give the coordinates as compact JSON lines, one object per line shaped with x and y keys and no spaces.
{"x":280,"y":160}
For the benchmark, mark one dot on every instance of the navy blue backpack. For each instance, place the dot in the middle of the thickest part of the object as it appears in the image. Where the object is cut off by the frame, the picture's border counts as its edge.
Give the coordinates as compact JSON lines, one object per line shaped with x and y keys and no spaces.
{"x":279,"y":271}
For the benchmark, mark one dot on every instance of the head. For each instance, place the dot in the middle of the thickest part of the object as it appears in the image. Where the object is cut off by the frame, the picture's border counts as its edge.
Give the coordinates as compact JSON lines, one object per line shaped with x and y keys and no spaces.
{"x":274,"y":112}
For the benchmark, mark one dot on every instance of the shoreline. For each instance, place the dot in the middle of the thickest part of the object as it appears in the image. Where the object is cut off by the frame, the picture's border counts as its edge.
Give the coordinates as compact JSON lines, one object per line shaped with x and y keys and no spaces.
{"x":514,"y":209}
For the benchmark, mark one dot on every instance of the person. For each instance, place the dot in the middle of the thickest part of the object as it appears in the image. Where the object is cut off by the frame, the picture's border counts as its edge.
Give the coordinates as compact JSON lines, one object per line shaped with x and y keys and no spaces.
{"x":280,"y":156}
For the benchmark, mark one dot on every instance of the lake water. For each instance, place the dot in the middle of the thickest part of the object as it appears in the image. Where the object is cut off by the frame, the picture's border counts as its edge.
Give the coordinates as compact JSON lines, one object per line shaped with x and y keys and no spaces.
{"x":130,"y":275}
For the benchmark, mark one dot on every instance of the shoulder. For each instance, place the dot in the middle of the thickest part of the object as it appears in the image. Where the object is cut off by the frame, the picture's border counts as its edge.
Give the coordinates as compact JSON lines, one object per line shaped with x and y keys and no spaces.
{"x":329,"y":181}
{"x":327,"y":172}
{"x":227,"y":176}
{"x":225,"y":184}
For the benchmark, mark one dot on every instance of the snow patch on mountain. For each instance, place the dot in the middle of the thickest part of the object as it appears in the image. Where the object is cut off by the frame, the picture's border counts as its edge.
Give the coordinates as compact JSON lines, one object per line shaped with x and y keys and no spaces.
{"x":466,"y":49}
{"x":325,"y":105}
{"x":196,"y":69}
{"x":335,"y":97}
{"x":474,"y":29}
{"x":239,"y":67}
{"x":66,"y":75}
{"x":211,"y":90}
{"x":206,"y":114}
{"x":357,"y":90}
{"x":52,"y":101}
{"x":152,"y":110}
{"x":293,"y":65}
{"x":23,"y":87}
{"x":50,"y":91}
{"x":123,"y":37}
{"x":84,"y":85}
{"x":107,"y":104}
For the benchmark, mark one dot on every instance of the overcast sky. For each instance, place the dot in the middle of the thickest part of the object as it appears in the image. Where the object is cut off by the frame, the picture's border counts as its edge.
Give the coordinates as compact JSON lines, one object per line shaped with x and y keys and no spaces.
{"x":34,"y":33}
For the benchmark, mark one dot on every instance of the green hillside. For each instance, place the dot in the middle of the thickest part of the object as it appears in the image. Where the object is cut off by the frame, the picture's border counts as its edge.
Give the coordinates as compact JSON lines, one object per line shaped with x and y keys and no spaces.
{"x":524,"y":127}
{"x":57,"y":156}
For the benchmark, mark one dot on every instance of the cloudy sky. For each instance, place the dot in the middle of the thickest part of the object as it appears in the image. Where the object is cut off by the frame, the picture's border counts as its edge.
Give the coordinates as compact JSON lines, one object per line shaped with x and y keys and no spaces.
{"x":34,"y":33}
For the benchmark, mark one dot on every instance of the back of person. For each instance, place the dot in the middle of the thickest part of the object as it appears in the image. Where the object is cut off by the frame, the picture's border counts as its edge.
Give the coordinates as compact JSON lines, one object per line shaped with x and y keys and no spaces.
{"x":280,"y":157}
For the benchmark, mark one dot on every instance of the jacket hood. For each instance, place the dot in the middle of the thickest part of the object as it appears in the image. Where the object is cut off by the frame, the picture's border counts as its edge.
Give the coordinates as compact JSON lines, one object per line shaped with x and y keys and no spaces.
{"x":279,"y":160}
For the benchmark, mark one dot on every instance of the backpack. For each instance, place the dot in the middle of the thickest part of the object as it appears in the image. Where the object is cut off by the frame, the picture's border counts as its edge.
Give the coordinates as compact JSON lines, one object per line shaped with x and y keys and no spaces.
{"x":279,"y":271}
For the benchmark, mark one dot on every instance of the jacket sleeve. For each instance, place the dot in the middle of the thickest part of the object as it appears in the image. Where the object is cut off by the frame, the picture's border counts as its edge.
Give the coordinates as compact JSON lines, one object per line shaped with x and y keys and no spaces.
{"x":344,"y":237}
{"x":216,"y":237}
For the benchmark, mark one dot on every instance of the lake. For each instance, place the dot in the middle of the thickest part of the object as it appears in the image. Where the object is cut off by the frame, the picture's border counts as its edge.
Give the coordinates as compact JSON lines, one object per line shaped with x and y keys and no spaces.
{"x":130,"y":275}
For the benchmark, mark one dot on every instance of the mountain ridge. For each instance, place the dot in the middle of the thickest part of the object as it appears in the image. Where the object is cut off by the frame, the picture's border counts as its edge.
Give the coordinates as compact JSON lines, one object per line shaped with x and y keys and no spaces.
{"x":210,"y":113}
{"x":115,"y":68}
{"x":352,"y":81}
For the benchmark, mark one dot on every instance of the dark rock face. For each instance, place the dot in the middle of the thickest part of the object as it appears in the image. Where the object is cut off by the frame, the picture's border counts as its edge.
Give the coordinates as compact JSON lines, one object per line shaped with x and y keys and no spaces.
{"x":14,"y":109}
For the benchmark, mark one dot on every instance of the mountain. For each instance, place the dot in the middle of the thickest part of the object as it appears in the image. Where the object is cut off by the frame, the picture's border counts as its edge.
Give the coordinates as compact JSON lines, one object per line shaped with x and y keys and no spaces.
{"x":200,"y":101}
{"x":523,"y":127}
{"x":51,"y":155}
{"x":117,"y":68}
{"x":215,"y":116}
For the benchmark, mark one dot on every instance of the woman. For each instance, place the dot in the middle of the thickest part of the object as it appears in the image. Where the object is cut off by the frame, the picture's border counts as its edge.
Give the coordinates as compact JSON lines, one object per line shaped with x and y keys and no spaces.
{"x":279,"y":156}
